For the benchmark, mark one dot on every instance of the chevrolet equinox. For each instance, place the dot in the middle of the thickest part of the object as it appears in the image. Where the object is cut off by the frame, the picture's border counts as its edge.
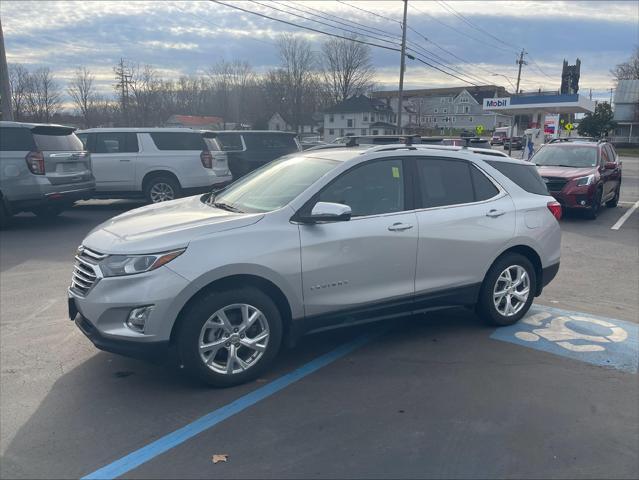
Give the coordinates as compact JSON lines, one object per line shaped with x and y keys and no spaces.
{"x":312,"y":241}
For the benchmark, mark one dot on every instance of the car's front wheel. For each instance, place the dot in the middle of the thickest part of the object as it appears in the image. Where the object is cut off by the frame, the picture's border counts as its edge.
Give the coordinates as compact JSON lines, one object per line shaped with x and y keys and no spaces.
{"x":230,"y":337}
{"x":508,"y":290}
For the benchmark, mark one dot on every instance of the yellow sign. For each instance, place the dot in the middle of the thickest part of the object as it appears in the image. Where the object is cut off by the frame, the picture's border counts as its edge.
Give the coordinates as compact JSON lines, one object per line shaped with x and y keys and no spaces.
{"x":569,"y":126}
{"x":479,"y":129}
{"x":395,"y":172}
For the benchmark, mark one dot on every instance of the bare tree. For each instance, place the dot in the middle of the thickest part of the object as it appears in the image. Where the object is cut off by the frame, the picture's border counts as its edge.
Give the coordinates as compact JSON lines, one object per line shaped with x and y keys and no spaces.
{"x":298,"y":73}
{"x":43,"y":98}
{"x":147,"y":91}
{"x":19,"y":82}
{"x":82,"y":90}
{"x":347,"y":68}
{"x":230,"y":82}
{"x":628,"y":70}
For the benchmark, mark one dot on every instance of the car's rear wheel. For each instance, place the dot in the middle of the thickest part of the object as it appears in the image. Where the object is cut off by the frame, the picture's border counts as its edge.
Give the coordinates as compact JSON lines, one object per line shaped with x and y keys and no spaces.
{"x":615,"y":200}
{"x":593,"y":211}
{"x":230,"y":337}
{"x":161,"y":188}
{"x":508,"y":290}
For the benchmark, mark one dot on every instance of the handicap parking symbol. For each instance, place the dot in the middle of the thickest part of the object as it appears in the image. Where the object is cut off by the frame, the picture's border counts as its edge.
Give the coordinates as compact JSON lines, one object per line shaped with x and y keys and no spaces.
{"x":599,"y":341}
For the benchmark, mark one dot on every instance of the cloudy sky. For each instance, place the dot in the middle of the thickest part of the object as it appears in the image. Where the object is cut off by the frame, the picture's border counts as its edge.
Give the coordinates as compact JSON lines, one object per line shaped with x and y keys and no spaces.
{"x":473,"y":40}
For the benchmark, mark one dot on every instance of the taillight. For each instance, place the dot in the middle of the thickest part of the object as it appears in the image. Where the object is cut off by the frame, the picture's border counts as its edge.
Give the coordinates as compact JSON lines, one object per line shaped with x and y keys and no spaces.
{"x":207,"y":159}
{"x":555,"y":209}
{"x":35,"y":162}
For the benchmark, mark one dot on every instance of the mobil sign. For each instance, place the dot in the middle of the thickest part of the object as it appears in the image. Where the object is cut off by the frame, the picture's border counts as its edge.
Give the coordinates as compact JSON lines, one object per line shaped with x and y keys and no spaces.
{"x":496,"y":103}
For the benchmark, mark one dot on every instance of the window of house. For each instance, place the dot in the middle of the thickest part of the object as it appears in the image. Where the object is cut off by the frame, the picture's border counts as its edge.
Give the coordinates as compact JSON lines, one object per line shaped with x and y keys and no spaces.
{"x":463,"y":99}
{"x":342,"y":116}
{"x":331,"y":118}
{"x":436,"y":111}
{"x":445,"y":110}
{"x":349,"y":123}
{"x":331,"y":131}
{"x":365,"y":117}
{"x":374,"y":188}
{"x":363,"y":131}
{"x":470,"y":119}
{"x":466,"y":109}
{"x":341,"y":131}
{"x":375,"y":132}
{"x":454,"y":119}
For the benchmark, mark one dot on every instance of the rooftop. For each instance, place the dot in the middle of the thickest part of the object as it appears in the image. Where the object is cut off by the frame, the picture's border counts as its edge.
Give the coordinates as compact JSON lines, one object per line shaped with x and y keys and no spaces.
{"x":627,"y":91}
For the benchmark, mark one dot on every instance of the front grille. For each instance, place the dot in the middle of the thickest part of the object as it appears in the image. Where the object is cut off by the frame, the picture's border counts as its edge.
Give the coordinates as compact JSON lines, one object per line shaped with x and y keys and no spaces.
{"x":555,"y":184}
{"x":85,"y":271}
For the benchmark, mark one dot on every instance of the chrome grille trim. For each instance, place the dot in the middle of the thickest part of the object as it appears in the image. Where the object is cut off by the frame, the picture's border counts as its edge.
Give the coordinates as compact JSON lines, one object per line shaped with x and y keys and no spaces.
{"x":86,"y":272}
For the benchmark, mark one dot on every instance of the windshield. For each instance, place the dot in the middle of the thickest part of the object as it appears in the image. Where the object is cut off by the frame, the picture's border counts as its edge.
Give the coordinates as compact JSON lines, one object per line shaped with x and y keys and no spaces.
{"x":274,"y":185}
{"x":567,"y":156}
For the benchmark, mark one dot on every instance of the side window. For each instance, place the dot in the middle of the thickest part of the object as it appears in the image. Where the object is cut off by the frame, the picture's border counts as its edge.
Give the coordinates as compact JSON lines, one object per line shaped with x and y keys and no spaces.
{"x":231,"y":142}
{"x":371,"y":189}
{"x":178,"y":141}
{"x":83,"y":138}
{"x":115,"y":142}
{"x":444,"y":182}
{"x":16,"y":140}
{"x":484,"y":188}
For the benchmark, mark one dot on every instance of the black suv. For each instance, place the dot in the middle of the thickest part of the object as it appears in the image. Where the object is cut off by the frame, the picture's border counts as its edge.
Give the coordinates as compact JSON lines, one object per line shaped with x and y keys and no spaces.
{"x":250,"y":149}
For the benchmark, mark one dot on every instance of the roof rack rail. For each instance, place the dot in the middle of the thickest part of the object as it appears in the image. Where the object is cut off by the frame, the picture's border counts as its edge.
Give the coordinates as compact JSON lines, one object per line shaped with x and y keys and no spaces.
{"x":389,"y":147}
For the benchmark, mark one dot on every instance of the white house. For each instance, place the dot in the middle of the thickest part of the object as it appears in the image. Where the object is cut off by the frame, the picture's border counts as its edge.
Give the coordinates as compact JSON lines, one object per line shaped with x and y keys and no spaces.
{"x":310,"y":124}
{"x":358,"y":115}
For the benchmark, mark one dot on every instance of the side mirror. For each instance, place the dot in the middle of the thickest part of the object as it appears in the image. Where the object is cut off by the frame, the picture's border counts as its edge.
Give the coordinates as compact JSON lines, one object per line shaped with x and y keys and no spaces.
{"x":329,"y":212}
{"x":610,"y":166}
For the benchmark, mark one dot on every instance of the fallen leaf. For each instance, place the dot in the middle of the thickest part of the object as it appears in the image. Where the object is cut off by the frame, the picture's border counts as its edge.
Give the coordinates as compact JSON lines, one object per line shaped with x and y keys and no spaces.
{"x":220,"y":458}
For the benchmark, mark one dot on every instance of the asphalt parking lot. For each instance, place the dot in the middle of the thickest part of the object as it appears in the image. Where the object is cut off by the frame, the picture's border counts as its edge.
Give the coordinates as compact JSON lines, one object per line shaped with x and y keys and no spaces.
{"x":436,"y":395}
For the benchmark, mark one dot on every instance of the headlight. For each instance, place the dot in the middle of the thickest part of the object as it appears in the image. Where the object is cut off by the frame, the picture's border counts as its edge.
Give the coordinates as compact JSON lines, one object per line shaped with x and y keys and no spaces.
{"x":583,"y":181}
{"x":118,"y":265}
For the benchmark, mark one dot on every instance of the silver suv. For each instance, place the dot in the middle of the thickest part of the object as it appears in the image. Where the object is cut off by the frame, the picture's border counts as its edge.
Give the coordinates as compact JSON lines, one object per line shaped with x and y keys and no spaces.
{"x":43,"y":169}
{"x":313,"y":241}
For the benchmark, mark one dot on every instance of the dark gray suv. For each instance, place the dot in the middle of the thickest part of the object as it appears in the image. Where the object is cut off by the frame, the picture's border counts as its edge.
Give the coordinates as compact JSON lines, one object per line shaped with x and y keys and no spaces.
{"x":43,"y":169}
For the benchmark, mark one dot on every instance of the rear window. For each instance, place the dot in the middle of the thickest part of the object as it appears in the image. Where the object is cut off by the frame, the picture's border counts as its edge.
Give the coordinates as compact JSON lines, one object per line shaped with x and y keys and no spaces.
{"x":15,"y":139}
{"x":212,"y":144}
{"x":525,"y":176}
{"x":57,"y":141}
{"x":268,"y":141}
{"x":178,"y":141}
{"x":230,"y":141}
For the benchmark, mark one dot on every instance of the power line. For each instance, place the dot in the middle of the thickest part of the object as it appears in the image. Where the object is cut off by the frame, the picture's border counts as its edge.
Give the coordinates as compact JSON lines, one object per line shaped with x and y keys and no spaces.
{"x":455,"y":75}
{"x":305,"y":27}
{"x":368,"y":11}
{"x":539,"y":68}
{"x":471,"y":24}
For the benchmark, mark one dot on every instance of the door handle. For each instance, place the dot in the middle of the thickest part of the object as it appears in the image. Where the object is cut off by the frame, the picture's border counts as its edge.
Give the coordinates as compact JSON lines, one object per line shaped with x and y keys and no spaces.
{"x":494,"y":213}
{"x":125,"y":160}
{"x":399,"y":227}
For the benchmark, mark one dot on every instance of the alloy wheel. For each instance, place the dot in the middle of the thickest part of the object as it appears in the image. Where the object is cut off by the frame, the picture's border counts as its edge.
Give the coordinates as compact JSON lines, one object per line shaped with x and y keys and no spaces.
{"x":234,"y":339}
{"x":161,"y":192}
{"x":511,"y":290}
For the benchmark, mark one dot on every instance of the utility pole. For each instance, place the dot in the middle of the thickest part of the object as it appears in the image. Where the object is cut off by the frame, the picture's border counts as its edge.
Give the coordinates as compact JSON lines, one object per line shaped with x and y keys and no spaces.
{"x":591,"y":94}
{"x":611,"y":90}
{"x":124,"y":80}
{"x":402,"y":64}
{"x":521,"y":62}
{"x":7,"y":108}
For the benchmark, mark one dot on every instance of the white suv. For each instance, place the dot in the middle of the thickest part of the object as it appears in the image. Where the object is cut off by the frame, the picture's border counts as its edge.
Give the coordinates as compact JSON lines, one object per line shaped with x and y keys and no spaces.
{"x":160,"y":163}
{"x":312,"y":241}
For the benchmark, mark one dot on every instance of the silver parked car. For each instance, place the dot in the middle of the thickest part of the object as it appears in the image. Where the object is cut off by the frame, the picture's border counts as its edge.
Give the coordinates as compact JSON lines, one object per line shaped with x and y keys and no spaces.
{"x":43,"y":169}
{"x":313,"y":241}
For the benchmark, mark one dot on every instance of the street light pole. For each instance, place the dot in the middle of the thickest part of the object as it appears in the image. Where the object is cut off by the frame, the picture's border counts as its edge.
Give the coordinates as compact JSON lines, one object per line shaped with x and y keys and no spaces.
{"x":402,"y":64}
{"x":7,"y":108}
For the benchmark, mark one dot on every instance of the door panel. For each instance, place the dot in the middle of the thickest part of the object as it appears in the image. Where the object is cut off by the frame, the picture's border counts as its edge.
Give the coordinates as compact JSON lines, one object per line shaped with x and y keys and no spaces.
{"x":114,"y":160}
{"x":457,"y":244}
{"x":345,"y":264}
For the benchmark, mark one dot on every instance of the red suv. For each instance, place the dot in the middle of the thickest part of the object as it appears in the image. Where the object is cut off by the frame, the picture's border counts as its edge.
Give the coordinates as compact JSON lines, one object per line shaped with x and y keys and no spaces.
{"x":581,"y":174}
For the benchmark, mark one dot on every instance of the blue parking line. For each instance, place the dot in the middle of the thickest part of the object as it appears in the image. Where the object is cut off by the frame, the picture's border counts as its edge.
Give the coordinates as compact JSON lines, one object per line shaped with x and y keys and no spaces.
{"x":173,"y":439}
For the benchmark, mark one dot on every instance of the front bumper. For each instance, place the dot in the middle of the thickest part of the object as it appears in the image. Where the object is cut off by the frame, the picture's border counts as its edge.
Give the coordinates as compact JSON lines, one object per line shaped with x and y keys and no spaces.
{"x":102,"y":313}
{"x":575,"y":197}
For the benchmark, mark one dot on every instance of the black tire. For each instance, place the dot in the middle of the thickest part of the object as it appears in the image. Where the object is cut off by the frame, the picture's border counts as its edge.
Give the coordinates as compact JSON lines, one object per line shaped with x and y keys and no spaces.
{"x":593,"y":211}
{"x":615,"y":200}
{"x":188,"y":339}
{"x":486,"y":308}
{"x":161,"y":188}
{"x":48,"y":211}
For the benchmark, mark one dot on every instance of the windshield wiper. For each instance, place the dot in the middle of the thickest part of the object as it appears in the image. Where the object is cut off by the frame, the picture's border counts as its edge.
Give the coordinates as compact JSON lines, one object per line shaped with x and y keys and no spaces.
{"x":227,"y":207}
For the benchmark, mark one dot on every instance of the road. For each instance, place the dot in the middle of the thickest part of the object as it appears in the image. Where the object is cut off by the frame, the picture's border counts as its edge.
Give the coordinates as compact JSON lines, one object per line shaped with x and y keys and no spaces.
{"x":438,"y":395}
